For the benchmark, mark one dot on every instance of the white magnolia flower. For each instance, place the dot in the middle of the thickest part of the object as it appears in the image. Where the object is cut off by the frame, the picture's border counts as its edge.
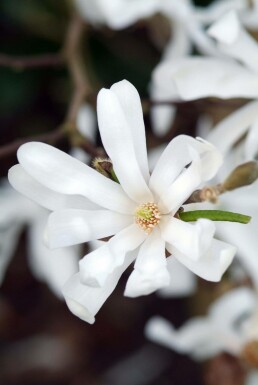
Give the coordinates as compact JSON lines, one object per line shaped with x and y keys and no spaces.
{"x":228,"y":327}
{"x":139,"y":212}
{"x":225,"y":135}
{"x":196,"y":77}
{"x":231,"y":324}
{"x":53,"y":267}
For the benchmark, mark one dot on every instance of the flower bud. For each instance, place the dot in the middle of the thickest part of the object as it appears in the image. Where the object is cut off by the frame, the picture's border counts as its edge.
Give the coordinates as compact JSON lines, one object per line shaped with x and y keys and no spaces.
{"x":243,"y":175}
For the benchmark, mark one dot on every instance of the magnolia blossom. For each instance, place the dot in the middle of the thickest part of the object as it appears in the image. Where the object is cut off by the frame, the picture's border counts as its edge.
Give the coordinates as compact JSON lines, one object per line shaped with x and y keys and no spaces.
{"x":230,"y":326}
{"x":139,"y":212}
{"x":53,"y":267}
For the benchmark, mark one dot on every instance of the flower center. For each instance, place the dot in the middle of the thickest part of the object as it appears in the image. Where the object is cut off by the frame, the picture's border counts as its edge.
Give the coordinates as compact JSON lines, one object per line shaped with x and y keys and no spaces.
{"x":147,"y":216}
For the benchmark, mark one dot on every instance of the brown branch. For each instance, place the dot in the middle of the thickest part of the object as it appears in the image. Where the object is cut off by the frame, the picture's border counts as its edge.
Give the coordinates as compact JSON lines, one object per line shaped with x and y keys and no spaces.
{"x":49,"y":137}
{"x":76,"y":67}
{"x":72,"y":56}
{"x":26,"y":62}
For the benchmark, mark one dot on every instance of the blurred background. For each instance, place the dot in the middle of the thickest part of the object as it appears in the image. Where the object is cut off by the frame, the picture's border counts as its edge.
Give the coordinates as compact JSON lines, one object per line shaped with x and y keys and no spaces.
{"x":42,"y":343}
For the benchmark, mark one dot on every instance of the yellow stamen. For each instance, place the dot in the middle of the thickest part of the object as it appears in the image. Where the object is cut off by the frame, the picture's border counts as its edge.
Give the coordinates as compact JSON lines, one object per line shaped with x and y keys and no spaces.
{"x":147,"y":216}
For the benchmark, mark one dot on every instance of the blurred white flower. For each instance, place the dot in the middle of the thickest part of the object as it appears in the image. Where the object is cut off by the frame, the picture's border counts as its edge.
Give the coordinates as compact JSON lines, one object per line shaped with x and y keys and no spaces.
{"x":231,"y":323}
{"x":196,"y":77}
{"x":53,"y":267}
{"x":139,"y":211}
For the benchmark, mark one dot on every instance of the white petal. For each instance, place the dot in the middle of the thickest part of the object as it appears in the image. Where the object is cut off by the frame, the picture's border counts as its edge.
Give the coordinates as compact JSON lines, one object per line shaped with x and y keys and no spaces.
{"x":197,"y":337}
{"x":195,"y":78}
{"x":177,"y":155}
{"x":227,"y":29}
{"x":227,"y":132}
{"x":251,"y":142}
{"x":217,"y":9}
{"x":96,"y":266}
{"x":130,"y":103}
{"x":203,"y":42}
{"x":179,"y":44}
{"x":234,"y":40}
{"x":118,"y":141}
{"x":71,"y":227}
{"x":182,"y":281}
{"x":180,"y":190}
{"x":81,"y":155}
{"x":86,"y":122}
{"x":243,"y":236}
{"x":162,"y":118}
{"x":85,"y":301}
{"x":53,"y":267}
{"x":60,"y":172}
{"x":119,"y":14}
{"x":42,"y":195}
{"x":192,"y":240}
{"x":211,"y":266}
{"x":150,"y":271}
{"x":233,"y":305}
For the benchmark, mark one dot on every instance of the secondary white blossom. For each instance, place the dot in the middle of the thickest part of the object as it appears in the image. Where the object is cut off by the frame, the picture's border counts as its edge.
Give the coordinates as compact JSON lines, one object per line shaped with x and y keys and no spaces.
{"x":226,"y":136}
{"x":236,"y":75}
{"x":231,"y":324}
{"x":139,"y":212}
{"x":53,"y":267}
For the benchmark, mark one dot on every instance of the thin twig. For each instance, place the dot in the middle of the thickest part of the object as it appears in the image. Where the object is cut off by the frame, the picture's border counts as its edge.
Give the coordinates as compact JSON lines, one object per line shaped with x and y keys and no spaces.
{"x":76,"y":66}
{"x":26,"y":62}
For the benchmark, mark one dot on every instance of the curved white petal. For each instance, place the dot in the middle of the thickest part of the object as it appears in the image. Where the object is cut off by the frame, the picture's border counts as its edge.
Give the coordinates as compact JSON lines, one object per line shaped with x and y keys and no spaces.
{"x":51,"y":200}
{"x":192,"y":240}
{"x":212,"y":265}
{"x":233,"y":305}
{"x":177,"y":155}
{"x":130,"y":103}
{"x":71,"y":227}
{"x":60,"y":172}
{"x":179,"y":44}
{"x":217,"y":9}
{"x":234,"y":40}
{"x":227,"y":132}
{"x":182,"y":281}
{"x":150,"y":269}
{"x":180,"y":190}
{"x":118,"y":141}
{"x":197,"y":337}
{"x":54,"y":267}
{"x":203,"y":42}
{"x":96,"y":266}
{"x":194,"y":78}
{"x":85,"y":301}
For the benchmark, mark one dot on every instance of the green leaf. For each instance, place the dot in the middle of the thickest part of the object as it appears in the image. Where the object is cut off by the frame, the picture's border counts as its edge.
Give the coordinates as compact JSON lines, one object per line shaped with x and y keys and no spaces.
{"x":214,"y":215}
